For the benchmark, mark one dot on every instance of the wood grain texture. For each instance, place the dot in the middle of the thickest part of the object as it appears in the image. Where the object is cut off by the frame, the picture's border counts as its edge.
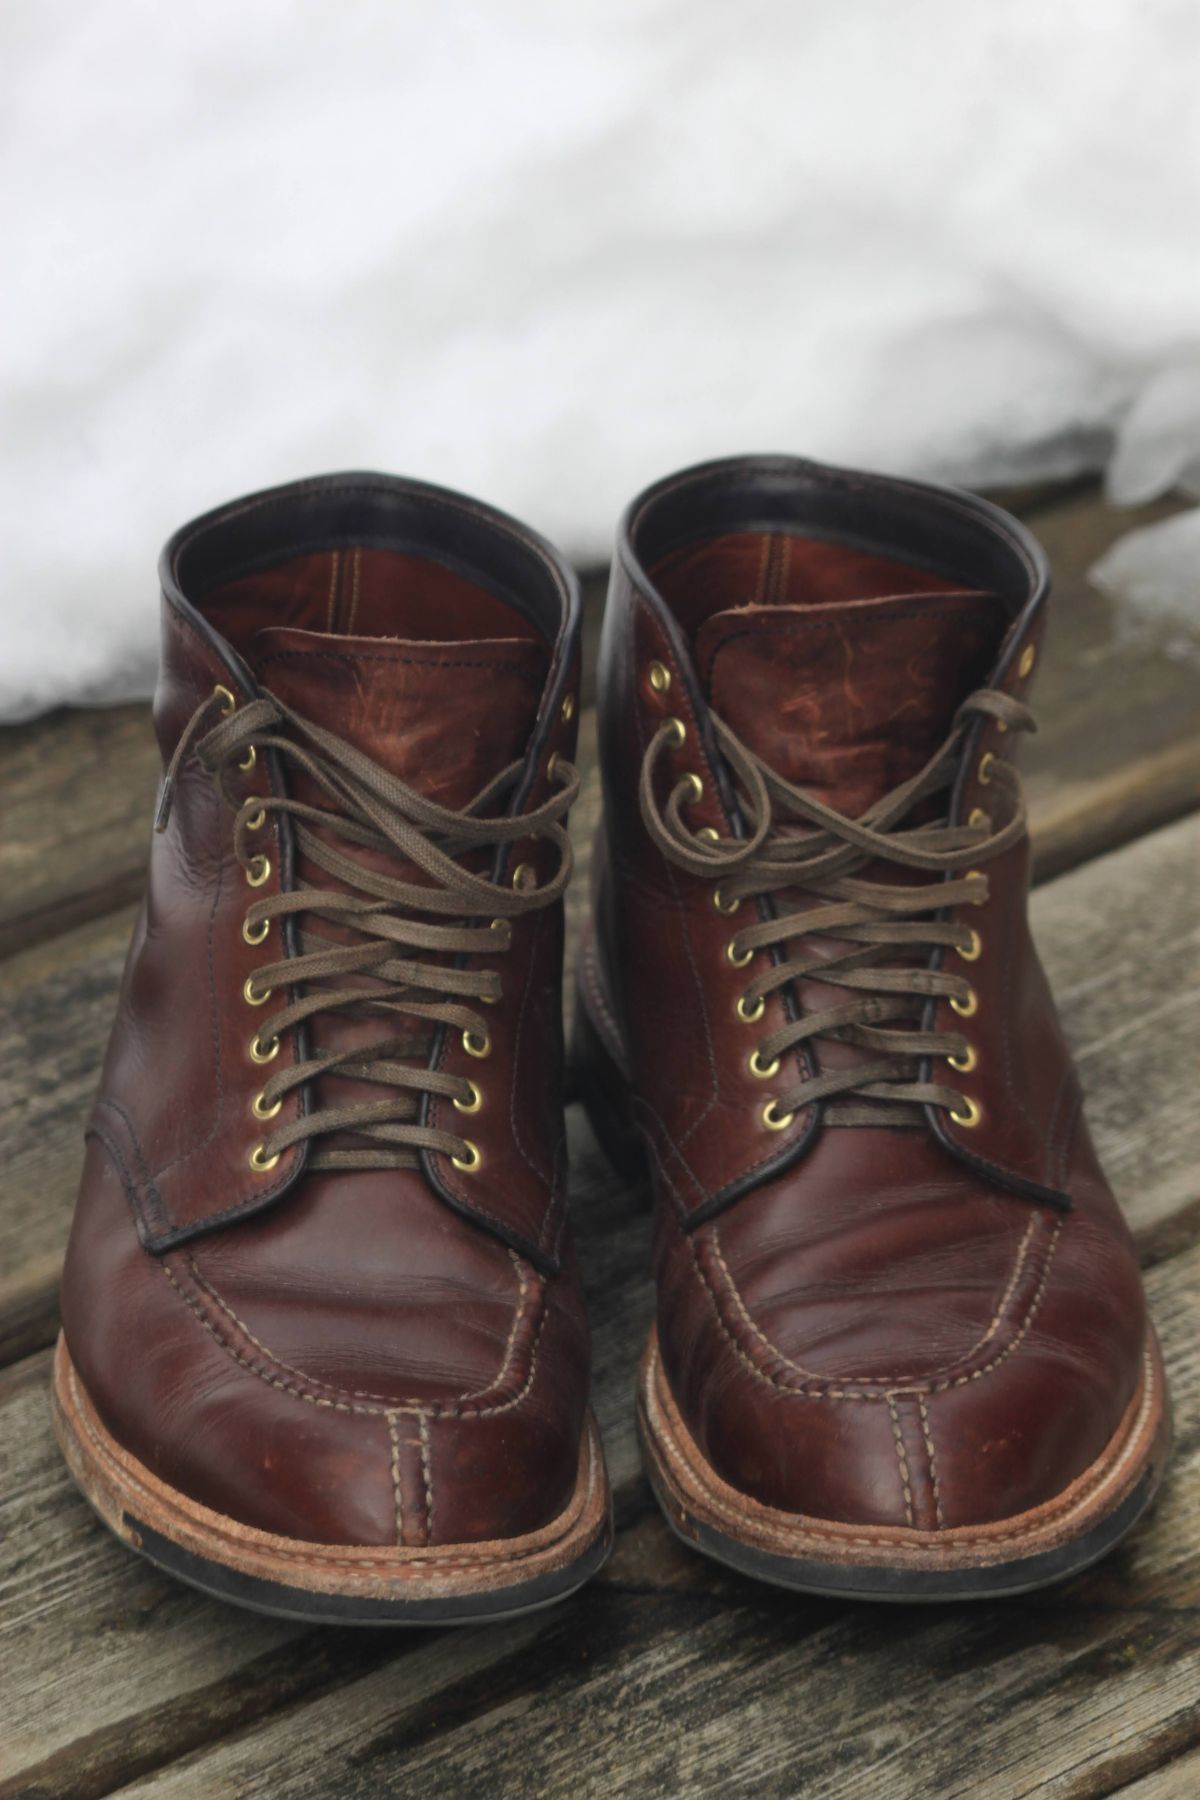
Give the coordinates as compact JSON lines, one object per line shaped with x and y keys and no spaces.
{"x":168,"y":1671}
{"x":78,"y":789}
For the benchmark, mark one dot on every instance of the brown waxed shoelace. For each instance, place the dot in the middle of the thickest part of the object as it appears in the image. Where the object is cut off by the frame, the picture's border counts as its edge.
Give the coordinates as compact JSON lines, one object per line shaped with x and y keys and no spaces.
{"x":857,"y":921}
{"x":373,"y":809}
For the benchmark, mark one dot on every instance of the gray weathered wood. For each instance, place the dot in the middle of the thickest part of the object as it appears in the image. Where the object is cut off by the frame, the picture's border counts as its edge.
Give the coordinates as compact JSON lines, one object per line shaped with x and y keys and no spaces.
{"x":167,"y":1671}
{"x":1176,"y":1780}
{"x":77,"y":789}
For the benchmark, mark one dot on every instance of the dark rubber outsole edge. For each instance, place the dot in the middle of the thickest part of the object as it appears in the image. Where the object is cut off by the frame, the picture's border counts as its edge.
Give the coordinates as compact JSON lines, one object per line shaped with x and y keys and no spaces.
{"x":302,"y":1605}
{"x":895,"y":1586}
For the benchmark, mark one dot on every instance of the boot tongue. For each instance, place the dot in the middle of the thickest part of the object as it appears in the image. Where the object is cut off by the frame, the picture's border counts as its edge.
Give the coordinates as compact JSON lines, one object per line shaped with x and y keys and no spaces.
{"x":847,"y":700}
{"x":443,"y":717}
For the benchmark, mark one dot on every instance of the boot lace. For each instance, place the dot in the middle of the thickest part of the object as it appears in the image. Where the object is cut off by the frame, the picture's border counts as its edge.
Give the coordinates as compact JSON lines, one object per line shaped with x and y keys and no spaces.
{"x":868,"y":937}
{"x":396,"y":925}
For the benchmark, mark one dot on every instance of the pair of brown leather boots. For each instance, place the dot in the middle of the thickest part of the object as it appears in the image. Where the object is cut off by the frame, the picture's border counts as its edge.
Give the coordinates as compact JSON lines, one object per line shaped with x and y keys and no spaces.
{"x":325,"y":1349}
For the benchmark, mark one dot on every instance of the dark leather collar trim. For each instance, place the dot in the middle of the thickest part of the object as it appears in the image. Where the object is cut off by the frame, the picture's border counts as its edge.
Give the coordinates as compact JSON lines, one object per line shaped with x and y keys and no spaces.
{"x":385,"y":512}
{"x":942,"y":529}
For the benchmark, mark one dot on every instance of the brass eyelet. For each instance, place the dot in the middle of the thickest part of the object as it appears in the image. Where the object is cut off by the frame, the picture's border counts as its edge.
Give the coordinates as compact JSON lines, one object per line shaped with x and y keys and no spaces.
{"x":973,"y":950}
{"x":263,"y":1053}
{"x":264,"y":1112}
{"x":966,"y":1009}
{"x":977,"y":816}
{"x":984,"y":772}
{"x":774,"y":1120}
{"x":260,"y":1162}
{"x":469,"y":1106}
{"x":1028,"y":658}
{"x":678,"y":731}
{"x":695,"y":788}
{"x":251,"y":757}
{"x":761,"y":1070}
{"x":257,"y":820}
{"x":524,"y":877}
{"x":568,"y":708}
{"x":228,"y":703}
{"x":253,"y":936}
{"x":748,"y":1011}
{"x":964,"y":1064}
{"x":471,"y":1161}
{"x":709,"y":834}
{"x":552,"y":765}
{"x":259,"y":871}
{"x":251,"y":994}
{"x":739,"y":961}
{"x":724,"y":903}
{"x":660,"y":677}
{"x":970,"y":1118}
{"x":976,"y":875}
{"x":476,"y":1046}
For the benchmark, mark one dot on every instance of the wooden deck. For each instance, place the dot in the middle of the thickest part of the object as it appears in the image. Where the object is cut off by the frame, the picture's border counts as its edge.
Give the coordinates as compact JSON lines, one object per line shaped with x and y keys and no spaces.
{"x":666,"y":1676}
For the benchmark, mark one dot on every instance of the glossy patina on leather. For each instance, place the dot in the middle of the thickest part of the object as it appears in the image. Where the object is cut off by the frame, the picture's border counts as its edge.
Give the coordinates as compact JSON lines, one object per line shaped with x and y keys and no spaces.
{"x":342,"y":1357}
{"x":889,"y":1352}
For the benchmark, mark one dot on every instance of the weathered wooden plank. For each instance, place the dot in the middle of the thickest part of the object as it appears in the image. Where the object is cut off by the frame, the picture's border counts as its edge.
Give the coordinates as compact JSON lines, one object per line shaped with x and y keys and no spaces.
{"x":56,"y":1007}
{"x":1176,"y":1780}
{"x":1117,"y":749}
{"x":1117,"y":706}
{"x":78,"y":789}
{"x":139,"y":1707}
{"x":715,"y":1685}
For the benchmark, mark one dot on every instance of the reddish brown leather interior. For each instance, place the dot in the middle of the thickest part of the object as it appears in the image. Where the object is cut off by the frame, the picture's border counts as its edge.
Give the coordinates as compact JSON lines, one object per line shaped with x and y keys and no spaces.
{"x":764,"y":568}
{"x":364,"y":593}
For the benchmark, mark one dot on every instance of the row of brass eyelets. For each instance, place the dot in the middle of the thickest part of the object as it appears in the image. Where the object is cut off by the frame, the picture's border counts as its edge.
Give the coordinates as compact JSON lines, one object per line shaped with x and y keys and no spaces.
{"x":256,"y":876}
{"x":748,"y":1011}
{"x":971,"y":951}
{"x":972,"y":1113}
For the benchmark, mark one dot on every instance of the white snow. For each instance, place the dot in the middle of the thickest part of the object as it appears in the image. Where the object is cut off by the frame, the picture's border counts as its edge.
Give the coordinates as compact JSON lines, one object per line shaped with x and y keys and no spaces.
{"x":547,"y":250}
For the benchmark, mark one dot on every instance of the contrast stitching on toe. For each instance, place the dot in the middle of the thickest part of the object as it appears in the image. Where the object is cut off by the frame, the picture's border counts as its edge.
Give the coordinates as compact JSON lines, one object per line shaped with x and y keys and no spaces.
{"x":437,"y":1410}
{"x":927,"y":1434}
{"x":426,"y":1475}
{"x":902,"y":1459}
{"x":893,"y":1382}
{"x":396,"y":1491}
{"x":1073,"y":1498}
{"x":829,"y":1392}
{"x":385,"y":1400}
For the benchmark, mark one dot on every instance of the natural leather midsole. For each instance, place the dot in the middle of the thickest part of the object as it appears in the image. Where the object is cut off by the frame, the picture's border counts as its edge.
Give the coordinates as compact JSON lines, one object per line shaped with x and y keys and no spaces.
{"x":698,"y":1493}
{"x":125,"y":1494}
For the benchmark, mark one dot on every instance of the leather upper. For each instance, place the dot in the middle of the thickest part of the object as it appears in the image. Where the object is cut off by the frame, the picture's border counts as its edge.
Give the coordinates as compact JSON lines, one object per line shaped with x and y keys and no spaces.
{"x":913,"y":1322}
{"x":373,"y":1355}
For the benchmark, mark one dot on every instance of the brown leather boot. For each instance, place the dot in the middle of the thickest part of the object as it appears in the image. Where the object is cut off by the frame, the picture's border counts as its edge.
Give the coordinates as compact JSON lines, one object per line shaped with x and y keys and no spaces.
{"x":901,"y":1349}
{"x":324,"y":1345}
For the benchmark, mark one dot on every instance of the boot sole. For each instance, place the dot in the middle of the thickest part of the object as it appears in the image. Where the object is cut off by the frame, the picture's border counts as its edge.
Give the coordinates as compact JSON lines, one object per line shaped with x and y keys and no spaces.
{"x":848,"y":1560}
{"x":345,"y":1584}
